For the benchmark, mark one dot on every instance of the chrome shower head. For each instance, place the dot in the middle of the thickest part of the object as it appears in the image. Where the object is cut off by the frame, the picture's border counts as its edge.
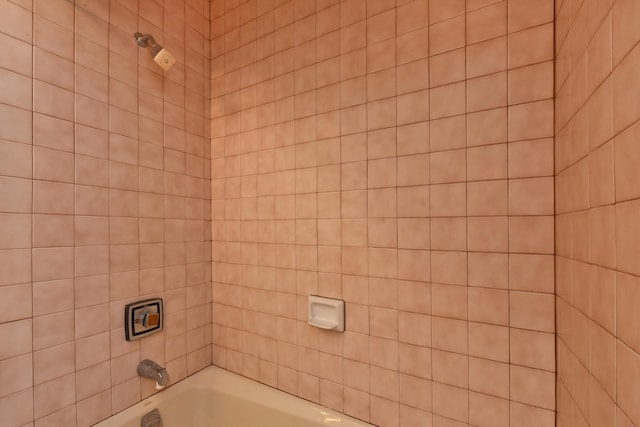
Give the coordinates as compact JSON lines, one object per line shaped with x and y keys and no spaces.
{"x":159,"y":54}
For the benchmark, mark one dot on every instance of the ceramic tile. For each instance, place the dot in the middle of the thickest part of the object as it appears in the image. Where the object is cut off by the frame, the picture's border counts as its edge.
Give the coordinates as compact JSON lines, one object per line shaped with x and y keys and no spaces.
{"x":447,"y":35}
{"x":385,"y":202}
{"x":520,"y":16}
{"x":487,"y":22}
{"x":440,"y":10}
{"x":626,"y":369}
{"x":541,"y":48}
{"x":625,"y":33}
{"x":17,"y":21}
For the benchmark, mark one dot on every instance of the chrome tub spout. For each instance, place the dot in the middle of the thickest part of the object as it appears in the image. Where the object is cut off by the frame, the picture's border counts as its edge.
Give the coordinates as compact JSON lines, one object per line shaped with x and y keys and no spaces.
{"x":150,"y":369}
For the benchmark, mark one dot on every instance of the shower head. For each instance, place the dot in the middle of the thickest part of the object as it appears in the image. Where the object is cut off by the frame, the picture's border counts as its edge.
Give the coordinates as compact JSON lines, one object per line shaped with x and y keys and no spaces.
{"x":159,"y":54}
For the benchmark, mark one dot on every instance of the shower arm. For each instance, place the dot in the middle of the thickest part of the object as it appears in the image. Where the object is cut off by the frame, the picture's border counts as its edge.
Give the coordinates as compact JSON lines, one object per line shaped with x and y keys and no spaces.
{"x":145,"y":40}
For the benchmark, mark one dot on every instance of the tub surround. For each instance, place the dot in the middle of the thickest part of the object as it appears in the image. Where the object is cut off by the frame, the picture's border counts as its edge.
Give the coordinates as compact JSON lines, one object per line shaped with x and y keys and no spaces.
{"x":104,"y":174}
{"x":399,"y":156}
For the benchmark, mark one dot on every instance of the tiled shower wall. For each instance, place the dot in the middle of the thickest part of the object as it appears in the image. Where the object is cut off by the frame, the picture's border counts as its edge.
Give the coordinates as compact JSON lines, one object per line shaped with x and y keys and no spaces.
{"x":397,"y":155}
{"x":104,"y":168}
{"x":598,"y":211}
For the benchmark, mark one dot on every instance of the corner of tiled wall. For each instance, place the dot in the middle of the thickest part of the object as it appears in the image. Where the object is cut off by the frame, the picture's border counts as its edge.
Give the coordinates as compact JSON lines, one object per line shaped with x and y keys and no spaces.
{"x":597,"y":212}
{"x":104,"y":174}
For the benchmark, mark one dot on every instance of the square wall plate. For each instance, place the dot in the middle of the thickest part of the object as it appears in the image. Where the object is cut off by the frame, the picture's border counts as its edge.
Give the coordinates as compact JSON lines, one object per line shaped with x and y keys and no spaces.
{"x":142,"y":318}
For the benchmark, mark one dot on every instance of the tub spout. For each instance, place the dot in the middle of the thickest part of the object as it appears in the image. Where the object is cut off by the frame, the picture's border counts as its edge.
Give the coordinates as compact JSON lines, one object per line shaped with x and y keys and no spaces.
{"x":150,"y":369}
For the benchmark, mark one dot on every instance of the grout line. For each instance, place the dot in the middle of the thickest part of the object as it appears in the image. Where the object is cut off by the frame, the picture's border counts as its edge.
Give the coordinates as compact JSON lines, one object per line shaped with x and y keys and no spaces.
{"x":33,"y":393}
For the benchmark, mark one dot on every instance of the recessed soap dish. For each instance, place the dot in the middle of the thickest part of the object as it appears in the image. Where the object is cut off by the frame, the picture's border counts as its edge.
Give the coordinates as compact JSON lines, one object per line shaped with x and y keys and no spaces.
{"x":326,"y":313}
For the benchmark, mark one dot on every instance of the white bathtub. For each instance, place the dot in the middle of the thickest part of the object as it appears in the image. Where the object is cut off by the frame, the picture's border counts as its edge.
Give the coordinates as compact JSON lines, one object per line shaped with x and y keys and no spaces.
{"x":217,"y":398}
